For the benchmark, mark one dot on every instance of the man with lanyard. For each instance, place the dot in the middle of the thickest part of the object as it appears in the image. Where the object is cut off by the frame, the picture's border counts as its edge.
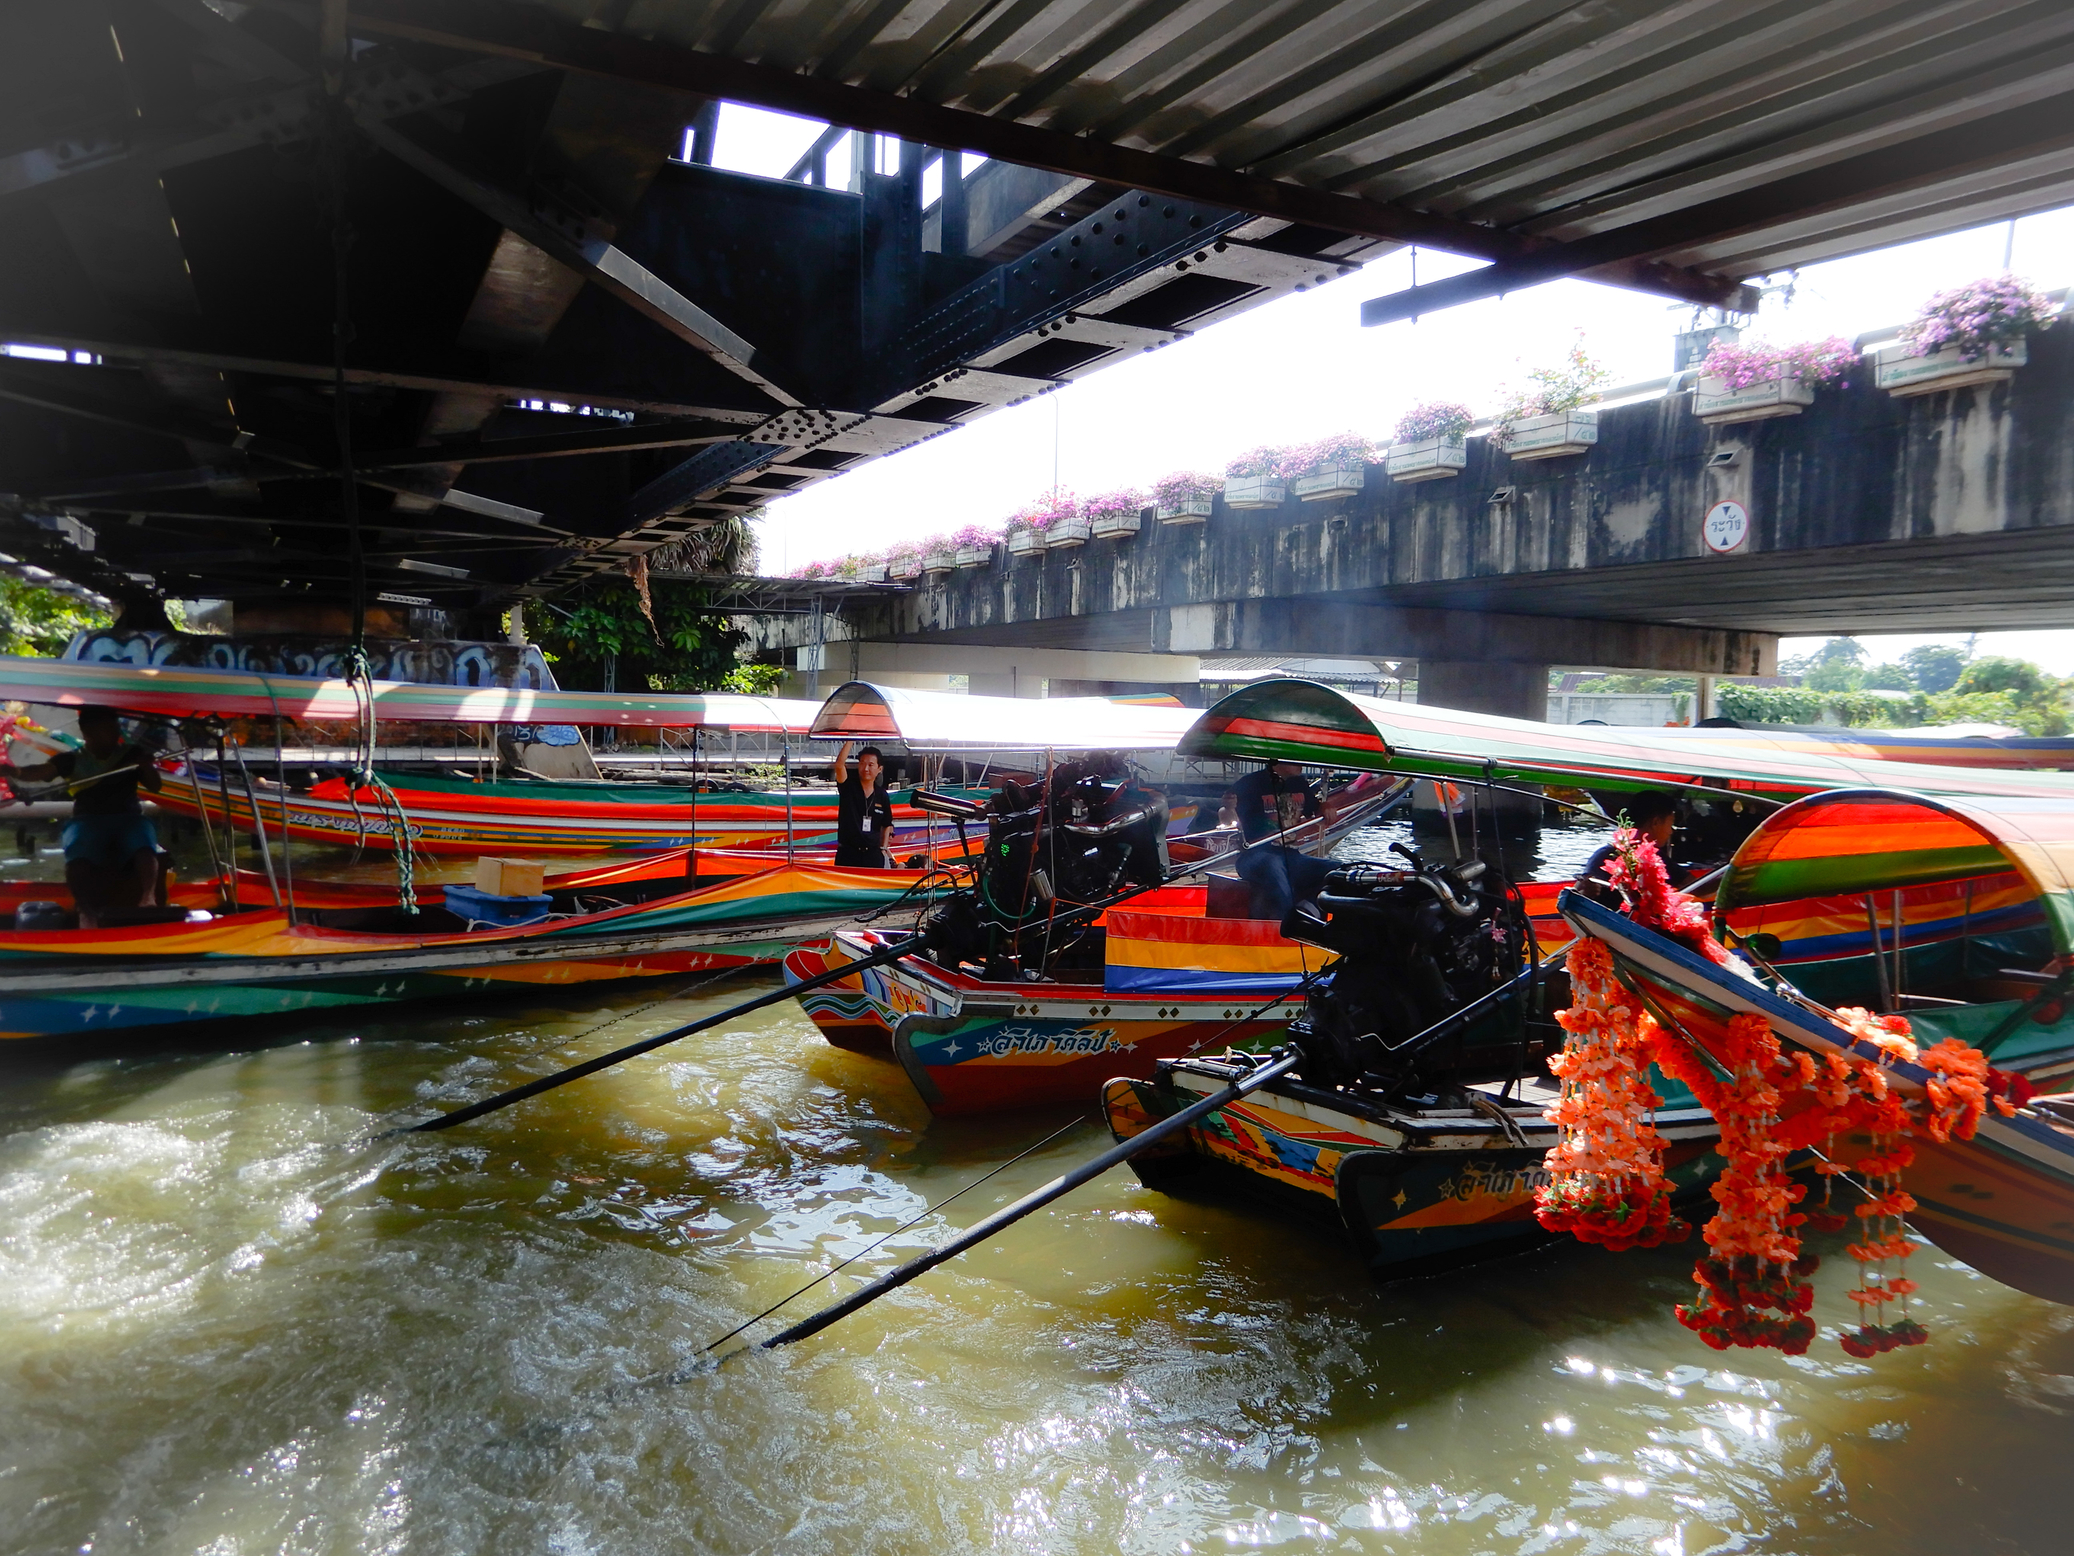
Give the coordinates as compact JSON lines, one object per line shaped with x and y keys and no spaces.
{"x":111,"y":851}
{"x":1267,"y":804}
{"x":863,"y":811}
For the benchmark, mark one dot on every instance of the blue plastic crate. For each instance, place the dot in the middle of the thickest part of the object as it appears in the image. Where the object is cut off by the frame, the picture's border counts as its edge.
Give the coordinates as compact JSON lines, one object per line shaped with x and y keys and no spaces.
{"x":480,"y":907}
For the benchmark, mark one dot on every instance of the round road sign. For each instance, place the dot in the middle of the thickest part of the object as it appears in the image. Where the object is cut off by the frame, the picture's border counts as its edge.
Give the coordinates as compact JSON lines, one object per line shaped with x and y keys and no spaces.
{"x":1727,"y":526}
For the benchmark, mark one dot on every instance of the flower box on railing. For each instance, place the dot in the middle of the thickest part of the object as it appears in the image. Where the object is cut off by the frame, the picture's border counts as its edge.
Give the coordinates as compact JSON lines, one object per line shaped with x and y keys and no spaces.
{"x":1714,"y":403}
{"x":1254,"y":491}
{"x":1111,"y":526}
{"x":1026,"y":542}
{"x":1555,"y":436}
{"x":873,"y":572}
{"x":1902,"y":373}
{"x":1433,"y":459}
{"x":1338,"y":481}
{"x":973,"y":556}
{"x":1190,"y":510}
{"x":939,"y":561}
{"x":902,"y":568}
{"x":1067,"y":532}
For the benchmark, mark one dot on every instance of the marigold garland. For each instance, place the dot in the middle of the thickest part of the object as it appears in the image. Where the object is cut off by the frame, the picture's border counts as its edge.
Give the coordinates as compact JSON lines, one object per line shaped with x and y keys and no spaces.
{"x":1607,"y":1176}
{"x":1608,"y":1184}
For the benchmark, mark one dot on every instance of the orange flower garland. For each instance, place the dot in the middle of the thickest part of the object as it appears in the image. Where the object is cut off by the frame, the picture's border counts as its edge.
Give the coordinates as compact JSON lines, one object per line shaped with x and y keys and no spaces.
{"x":1607,"y":1182}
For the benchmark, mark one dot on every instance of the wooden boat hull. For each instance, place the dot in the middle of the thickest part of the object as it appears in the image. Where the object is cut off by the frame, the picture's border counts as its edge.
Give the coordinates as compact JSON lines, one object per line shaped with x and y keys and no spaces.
{"x":450,"y":817}
{"x":971,"y":1047}
{"x":1416,"y":1193}
{"x":2002,"y":1201}
{"x":76,"y":984}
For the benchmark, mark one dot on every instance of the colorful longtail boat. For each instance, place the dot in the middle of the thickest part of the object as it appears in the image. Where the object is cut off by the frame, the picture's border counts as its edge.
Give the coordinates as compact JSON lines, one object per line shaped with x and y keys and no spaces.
{"x":75,"y":985}
{"x":1960,"y":912}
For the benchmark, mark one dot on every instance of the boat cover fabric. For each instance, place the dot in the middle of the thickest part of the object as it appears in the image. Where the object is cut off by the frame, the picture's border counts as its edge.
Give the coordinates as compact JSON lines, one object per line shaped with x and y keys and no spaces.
{"x":952,"y":721}
{"x":1303,"y":721}
{"x":182,"y":691}
{"x":1875,"y":840}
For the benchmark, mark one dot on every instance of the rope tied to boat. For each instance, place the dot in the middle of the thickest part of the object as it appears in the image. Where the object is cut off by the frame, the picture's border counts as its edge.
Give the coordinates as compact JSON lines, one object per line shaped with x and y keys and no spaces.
{"x":360,"y":676}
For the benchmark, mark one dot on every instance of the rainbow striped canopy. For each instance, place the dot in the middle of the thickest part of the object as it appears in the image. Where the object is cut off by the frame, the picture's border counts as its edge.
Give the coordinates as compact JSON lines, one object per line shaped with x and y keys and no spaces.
{"x":1302,"y":721}
{"x":1852,"y":841}
{"x":183,"y":691}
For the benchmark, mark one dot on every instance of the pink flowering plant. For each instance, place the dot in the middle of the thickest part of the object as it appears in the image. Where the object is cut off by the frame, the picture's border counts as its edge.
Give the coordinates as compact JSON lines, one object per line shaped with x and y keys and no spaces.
{"x":1343,"y":450}
{"x":1552,"y":390}
{"x":1442,"y":421}
{"x":974,"y":537}
{"x":1976,"y":318}
{"x":1260,"y":463}
{"x":814,"y":570}
{"x":1125,"y":499}
{"x":1813,"y":362}
{"x":1048,"y":510}
{"x":1184,"y":487}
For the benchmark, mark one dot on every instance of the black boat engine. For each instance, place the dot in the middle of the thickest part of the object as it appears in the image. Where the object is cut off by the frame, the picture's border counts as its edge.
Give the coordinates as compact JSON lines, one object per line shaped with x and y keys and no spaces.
{"x":1047,"y":852}
{"x":1416,"y":945}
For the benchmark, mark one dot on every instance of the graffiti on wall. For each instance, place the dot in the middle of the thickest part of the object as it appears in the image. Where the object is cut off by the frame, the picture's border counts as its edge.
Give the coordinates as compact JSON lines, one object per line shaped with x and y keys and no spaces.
{"x":430,"y":663}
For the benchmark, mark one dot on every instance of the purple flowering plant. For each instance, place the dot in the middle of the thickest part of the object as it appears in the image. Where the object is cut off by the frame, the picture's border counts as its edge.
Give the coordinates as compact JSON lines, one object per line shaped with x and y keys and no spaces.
{"x":1125,"y":499}
{"x":972,"y":537}
{"x":1813,"y":362}
{"x":1261,"y":463}
{"x":1976,"y":318}
{"x":1442,"y":421}
{"x":1185,"y":486}
{"x":1047,"y":510}
{"x":1338,"y":452}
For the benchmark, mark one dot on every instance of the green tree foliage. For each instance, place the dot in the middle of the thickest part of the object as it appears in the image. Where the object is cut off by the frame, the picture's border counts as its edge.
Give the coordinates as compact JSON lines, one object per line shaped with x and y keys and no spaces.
{"x":754,"y":680}
{"x":1640,"y":683}
{"x":690,"y":648}
{"x":38,"y":623}
{"x":1889,"y":678}
{"x":1934,"y":667}
{"x":1998,"y":673}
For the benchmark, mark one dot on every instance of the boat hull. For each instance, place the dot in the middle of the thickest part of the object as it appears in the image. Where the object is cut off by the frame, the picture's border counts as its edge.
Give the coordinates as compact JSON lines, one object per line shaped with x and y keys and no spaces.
{"x":1415,"y":1193}
{"x":76,"y":985}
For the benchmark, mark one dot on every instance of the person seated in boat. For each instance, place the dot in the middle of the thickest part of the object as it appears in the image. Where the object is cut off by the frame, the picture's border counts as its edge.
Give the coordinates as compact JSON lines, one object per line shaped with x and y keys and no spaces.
{"x":1131,"y":815}
{"x":1267,"y":804}
{"x":1652,"y":813}
{"x":111,"y":850}
{"x":863,"y":811}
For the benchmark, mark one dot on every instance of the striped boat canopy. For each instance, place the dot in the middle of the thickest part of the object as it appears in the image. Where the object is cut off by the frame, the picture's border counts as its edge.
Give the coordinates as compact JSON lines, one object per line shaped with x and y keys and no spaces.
{"x":1853,"y":841}
{"x":952,"y":721}
{"x":1302,"y":721}
{"x":181,"y":691}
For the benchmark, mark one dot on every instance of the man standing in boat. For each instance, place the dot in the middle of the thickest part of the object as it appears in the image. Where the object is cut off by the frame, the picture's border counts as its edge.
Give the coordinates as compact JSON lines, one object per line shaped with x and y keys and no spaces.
{"x":111,"y":850}
{"x":1267,"y":805}
{"x":1653,"y":814}
{"x":863,"y":811}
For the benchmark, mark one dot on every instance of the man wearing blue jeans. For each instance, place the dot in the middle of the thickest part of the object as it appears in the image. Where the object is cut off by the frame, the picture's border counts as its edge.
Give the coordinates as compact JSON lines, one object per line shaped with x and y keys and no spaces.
{"x":1267,"y":804}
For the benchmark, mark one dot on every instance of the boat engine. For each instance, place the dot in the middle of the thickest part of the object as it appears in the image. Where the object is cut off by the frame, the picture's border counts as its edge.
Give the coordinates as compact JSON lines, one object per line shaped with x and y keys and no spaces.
{"x":1082,"y":840}
{"x":1416,"y":945}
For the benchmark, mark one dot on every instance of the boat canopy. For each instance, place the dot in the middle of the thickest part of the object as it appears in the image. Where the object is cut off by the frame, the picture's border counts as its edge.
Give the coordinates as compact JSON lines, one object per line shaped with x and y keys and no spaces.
{"x":1303,"y":721}
{"x":952,"y":721}
{"x":184,"y":691}
{"x":1852,"y":841}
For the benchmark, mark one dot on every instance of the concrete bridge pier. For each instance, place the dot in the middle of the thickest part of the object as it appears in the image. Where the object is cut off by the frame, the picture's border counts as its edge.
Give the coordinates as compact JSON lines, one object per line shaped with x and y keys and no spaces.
{"x":1502,"y":686}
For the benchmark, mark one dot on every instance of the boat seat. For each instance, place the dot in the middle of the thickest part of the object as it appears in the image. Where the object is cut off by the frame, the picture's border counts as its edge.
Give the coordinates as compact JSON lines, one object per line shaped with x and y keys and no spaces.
{"x":1229,"y":897}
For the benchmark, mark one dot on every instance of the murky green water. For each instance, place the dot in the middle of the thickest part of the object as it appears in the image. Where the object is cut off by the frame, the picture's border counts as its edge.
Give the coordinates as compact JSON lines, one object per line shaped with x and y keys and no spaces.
{"x":229,"y":1326}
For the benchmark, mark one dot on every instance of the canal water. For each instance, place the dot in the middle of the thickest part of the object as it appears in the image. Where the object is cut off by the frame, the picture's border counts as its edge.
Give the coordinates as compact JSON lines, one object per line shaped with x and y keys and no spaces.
{"x":232,"y":1323}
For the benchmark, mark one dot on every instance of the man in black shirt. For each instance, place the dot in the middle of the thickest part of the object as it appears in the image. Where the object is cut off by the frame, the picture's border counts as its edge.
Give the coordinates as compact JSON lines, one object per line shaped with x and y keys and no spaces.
{"x":111,"y":851}
{"x":863,"y":811}
{"x":1267,"y":804}
{"x":1652,"y":813}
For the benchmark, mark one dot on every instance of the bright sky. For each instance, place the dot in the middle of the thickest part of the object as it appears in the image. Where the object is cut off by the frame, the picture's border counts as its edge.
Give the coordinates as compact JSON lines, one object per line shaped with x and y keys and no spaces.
{"x":1302,"y":367}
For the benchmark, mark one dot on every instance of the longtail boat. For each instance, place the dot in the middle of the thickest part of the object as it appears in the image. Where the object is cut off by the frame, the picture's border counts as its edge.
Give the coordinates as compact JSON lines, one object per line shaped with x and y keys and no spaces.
{"x":2042,"y":753}
{"x":74,"y":984}
{"x":1958,"y":912}
{"x":1435,"y":1164}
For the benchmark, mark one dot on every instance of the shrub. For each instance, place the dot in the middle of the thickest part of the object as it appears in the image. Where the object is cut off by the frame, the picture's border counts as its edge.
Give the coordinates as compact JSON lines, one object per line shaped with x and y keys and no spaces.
{"x":1263,"y":462}
{"x":1975,"y":318}
{"x":1125,"y":499}
{"x":1334,"y":453}
{"x":1441,"y":420}
{"x":1552,"y":389}
{"x":814,"y":570}
{"x":1185,"y":486}
{"x":1811,"y":361}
